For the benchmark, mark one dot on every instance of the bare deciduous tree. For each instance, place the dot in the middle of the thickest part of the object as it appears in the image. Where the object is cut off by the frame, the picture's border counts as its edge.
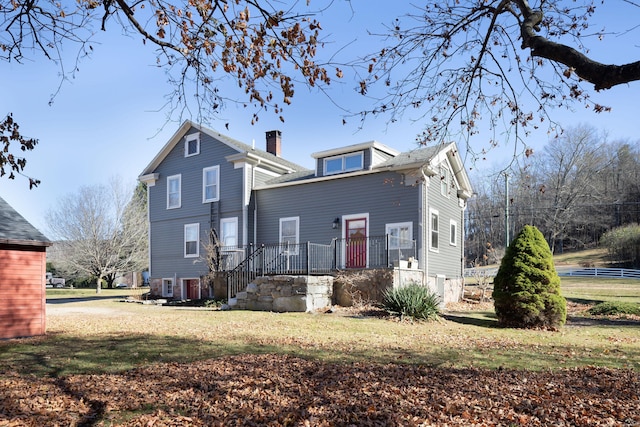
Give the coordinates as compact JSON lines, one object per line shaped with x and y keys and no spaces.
{"x":575,"y":189}
{"x":102,"y":230}
{"x":266,"y":48}
{"x":496,"y":66}
{"x":569,"y":171}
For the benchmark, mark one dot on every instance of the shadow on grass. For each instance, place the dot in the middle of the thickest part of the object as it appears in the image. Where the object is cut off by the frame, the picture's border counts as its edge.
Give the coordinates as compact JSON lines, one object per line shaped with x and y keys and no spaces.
{"x":57,"y":356}
{"x":485,"y":319}
{"x":583,"y":301}
{"x":600,"y":321}
{"x":63,"y":300}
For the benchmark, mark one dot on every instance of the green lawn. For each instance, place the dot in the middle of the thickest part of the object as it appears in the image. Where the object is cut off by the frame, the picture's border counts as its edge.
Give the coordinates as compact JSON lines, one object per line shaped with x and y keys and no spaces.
{"x":57,"y":293}
{"x":107,"y":335}
{"x":600,"y":289}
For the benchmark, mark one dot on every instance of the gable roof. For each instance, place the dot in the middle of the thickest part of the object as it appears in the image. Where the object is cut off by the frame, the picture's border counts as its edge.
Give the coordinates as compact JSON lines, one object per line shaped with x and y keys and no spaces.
{"x":413,"y":158}
{"x":15,"y":230}
{"x":245,"y":152}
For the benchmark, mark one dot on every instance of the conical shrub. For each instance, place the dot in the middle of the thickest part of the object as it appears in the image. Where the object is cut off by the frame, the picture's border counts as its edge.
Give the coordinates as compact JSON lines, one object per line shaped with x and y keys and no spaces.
{"x":526,"y":289}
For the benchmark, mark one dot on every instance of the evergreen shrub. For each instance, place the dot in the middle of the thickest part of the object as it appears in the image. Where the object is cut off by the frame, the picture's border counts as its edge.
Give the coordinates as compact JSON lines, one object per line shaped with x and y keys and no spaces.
{"x":526,"y":289}
{"x":614,"y":308}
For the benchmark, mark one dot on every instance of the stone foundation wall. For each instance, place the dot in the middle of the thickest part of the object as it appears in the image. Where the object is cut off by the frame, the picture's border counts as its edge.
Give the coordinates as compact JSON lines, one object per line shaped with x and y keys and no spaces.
{"x":155,"y":287}
{"x":215,"y":288}
{"x":286,"y":294}
{"x":358,"y":287}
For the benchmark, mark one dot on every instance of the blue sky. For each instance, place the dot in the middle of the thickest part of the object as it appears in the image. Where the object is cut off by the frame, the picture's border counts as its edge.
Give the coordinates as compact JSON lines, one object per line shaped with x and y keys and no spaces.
{"x":107,"y":122}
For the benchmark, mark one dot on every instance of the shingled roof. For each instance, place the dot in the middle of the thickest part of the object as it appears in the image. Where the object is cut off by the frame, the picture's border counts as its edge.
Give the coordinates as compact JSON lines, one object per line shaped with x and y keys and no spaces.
{"x":15,"y":230}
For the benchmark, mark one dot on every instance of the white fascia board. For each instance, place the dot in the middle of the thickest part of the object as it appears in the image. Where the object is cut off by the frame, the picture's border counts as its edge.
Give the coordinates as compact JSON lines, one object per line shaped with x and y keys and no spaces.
{"x":356,"y":147}
{"x":255,"y":160}
{"x":177,"y":136}
{"x":149,"y":179}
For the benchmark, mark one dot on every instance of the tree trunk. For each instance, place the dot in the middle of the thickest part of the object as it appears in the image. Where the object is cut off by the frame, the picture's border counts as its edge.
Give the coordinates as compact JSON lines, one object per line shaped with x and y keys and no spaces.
{"x":98,"y":285}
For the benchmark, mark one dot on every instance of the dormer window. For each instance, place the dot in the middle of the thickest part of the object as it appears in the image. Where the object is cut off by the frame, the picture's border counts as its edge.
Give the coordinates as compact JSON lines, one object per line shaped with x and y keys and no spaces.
{"x":344,"y":163}
{"x":192,"y":144}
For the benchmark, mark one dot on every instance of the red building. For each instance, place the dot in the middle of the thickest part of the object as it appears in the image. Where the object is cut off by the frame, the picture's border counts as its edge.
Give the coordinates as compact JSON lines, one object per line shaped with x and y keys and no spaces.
{"x":23,"y":263}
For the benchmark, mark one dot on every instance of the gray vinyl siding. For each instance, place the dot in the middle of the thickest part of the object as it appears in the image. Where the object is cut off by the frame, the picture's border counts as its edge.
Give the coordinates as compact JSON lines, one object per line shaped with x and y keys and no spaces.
{"x":448,"y":260}
{"x":261,"y":178}
{"x":167,"y":242}
{"x":167,"y":225}
{"x":382,"y":195}
{"x":380,"y":156}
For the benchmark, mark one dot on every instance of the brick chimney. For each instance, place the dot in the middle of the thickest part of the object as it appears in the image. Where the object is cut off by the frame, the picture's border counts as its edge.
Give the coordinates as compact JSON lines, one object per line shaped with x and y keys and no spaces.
{"x":274,"y":142}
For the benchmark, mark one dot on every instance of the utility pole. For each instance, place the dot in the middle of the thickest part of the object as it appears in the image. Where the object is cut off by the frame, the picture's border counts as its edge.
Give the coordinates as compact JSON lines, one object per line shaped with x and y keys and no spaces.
{"x":506,"y":210}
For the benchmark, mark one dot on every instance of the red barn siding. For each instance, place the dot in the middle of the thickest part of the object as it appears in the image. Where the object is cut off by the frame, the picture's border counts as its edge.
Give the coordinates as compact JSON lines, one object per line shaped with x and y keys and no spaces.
{"x":22,"y":291}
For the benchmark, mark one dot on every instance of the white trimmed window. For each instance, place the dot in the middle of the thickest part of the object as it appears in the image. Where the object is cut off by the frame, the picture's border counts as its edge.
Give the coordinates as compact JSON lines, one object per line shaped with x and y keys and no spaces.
{"x":344,"y":163}
{"x":191,"y":246}
{"x":192,"y":144}
{"x":434,"y":229}
{"x":400,"y":235}
{"x":211,"y":184}
{"x":229,"y":232}
{"x":290,"y":234}
{"x":174,"y":197}
{"x":444,"y":180}
{"x":453,"y":233}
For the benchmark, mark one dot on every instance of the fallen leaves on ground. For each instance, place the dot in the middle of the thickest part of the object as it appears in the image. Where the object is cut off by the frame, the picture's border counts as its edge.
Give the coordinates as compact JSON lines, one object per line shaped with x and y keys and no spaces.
{"x":277,"y":390}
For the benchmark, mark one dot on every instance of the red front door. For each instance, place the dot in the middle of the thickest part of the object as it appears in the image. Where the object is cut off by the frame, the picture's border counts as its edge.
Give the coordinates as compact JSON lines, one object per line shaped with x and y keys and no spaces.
{"x":356,"y":243}
{"x":193,"y":288}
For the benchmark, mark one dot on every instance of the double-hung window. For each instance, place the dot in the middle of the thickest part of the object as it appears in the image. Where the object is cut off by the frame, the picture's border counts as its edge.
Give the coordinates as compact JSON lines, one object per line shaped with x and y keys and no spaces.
{"x":444,"y":181}
{"x":191,"y":246}
{"x":211,"y":184}
{"x":344,"y":163}
{"x":400,"y":235}
{"x":434,"y":218}
{"x":174,"y":197}
{"x":192,"y":144}
{"x":290,"y":234}
{"x":229,"y":233}
{"x":453,"y":233}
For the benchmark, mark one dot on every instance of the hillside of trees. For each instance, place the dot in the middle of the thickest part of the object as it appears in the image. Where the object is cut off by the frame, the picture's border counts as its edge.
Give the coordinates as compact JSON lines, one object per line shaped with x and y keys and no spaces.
{"x":576,"y":189}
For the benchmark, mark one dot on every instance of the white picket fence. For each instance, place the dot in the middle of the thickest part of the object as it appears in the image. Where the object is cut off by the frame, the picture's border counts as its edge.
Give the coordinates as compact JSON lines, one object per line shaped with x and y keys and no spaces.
{"x":613,"y":273}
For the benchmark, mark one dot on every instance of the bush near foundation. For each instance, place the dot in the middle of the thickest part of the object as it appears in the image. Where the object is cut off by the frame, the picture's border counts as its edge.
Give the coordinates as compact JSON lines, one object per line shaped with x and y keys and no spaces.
{"x":413,"y":301}
{"x":527,"y":287}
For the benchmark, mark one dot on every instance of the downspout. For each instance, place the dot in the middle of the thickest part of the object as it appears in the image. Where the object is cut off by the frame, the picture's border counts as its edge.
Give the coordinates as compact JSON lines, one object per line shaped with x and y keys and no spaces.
{"x":245,"y":203}
{"x":255,"y":204}
{"x":424,"y":207}
{"x":462,"y":238}
{"x":149,"y":229}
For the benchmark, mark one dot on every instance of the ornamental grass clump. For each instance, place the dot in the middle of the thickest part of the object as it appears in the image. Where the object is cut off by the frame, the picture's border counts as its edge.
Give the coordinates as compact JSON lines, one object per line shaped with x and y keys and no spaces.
{"x":413,"y":301}
{"x":526,"y":289}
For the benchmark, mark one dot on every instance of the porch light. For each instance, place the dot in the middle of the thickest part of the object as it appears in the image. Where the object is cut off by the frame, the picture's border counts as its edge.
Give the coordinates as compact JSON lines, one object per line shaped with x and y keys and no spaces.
{"x":336,"y":223}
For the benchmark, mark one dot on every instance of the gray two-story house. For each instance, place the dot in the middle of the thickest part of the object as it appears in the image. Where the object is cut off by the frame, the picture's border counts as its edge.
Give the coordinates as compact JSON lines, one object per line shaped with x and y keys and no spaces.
{"x":364,"y":206}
